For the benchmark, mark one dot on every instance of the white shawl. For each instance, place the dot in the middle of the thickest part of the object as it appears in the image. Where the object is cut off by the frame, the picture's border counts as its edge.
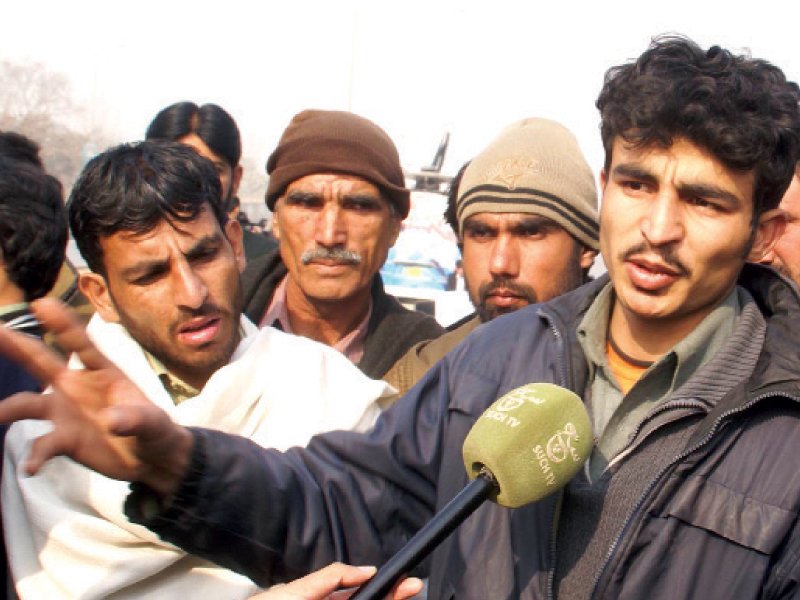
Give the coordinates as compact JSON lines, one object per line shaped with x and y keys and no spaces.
{"x":66,"y":534}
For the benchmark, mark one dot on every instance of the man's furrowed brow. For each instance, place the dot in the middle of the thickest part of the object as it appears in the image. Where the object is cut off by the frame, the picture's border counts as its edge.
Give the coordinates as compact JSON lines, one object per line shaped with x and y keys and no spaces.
{"x":204,"y":245}
{"x":143,"y":268}
{"x":709,"y":191}
{"x":634,"y":171}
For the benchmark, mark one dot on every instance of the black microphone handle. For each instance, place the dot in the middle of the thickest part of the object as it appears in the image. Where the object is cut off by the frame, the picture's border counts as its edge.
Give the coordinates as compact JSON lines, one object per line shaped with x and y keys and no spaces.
{"x":427,"y":538}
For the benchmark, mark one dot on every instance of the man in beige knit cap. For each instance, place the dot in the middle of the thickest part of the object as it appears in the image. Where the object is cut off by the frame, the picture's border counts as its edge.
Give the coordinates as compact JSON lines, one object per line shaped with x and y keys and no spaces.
{"x":525,"y":213}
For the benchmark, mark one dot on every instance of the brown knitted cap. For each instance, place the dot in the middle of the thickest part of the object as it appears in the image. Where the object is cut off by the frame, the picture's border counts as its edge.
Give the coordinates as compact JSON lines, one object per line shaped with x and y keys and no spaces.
{"x":533,"y":166}
{"x":327,"y":141}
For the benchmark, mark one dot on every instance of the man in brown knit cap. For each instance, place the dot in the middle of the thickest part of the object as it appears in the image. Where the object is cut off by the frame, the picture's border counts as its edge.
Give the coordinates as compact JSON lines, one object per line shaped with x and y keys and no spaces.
{"x":525,"y":214}
{"x":338,"y":196}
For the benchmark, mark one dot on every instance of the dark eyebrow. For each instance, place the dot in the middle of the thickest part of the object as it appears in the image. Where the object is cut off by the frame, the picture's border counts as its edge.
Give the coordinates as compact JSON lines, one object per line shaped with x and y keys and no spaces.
{"x":149,"y":267}
{"x":362,"y":196}
{"x":634,"y":172}
{"x":473,"y":224}
{"x":691,"y":190}
{"x":298,"y":195}
{"x":203,"y":245}
{"x":535,"y":221}
{"x":686,"y":190}
{"x":144,"y":268}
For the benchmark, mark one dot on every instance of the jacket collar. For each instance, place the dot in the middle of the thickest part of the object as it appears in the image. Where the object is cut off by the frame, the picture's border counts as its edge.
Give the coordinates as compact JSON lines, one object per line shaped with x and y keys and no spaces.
{"x":778,"y":299}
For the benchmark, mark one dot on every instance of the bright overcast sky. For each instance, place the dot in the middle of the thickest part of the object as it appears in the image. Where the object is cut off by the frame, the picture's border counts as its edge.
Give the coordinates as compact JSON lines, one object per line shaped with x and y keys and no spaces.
{"x":417,"y":68}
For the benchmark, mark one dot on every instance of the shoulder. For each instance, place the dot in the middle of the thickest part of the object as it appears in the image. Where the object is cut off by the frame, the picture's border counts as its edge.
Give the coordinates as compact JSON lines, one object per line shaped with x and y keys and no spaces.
{"x":423,"y":355}
{"x":259,"y":279}
{"x":261,"y":266}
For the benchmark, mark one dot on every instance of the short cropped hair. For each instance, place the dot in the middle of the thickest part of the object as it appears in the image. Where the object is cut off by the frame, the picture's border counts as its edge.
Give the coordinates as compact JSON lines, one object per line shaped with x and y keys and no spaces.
{"x":451,"y":211}
{"x":209,"y":122}
{"x":33,"y":224}
{"x":741,"y":109}
{"x":135,"y":187}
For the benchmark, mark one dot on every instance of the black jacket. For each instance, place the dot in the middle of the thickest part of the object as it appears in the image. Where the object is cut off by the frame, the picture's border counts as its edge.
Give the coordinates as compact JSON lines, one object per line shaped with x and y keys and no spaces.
{"x":717,"y":519}
{"x":391,"y":330}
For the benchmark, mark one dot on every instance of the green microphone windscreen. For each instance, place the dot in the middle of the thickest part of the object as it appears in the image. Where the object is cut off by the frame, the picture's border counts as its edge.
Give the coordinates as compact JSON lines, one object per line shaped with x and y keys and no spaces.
{"x":533,"y":440}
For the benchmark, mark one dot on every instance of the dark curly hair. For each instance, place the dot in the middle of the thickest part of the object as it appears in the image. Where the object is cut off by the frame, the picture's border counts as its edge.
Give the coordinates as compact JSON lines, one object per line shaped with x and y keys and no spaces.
{"x":134,"y":187}
{"x":33,"y":223}
{"x":741,"y":109}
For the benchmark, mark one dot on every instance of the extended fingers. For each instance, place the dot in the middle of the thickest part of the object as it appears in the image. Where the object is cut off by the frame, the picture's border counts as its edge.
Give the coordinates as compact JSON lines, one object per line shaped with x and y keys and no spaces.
{"x":30,"y":352}
{"x":25,"y":405}
{"x":57,"y":318}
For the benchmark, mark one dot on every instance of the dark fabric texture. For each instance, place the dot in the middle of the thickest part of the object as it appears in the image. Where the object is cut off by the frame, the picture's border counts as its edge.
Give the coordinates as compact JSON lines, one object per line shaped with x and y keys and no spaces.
{"x":13,"y":378}
{"x":391,"y":331}
{"x":256,"y":245}
{"x":719,"y":520}
{"x":329,"y":141}
{"x":423,"y":355}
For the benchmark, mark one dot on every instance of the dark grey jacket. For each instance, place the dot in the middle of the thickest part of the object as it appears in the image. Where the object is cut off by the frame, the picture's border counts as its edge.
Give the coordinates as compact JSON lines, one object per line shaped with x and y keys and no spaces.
{"x":391,"y":331}
{"x":719,"y":519}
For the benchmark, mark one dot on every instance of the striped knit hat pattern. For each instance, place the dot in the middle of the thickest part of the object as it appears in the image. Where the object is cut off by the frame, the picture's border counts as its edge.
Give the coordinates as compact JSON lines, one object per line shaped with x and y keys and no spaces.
{"x":534,"y":166}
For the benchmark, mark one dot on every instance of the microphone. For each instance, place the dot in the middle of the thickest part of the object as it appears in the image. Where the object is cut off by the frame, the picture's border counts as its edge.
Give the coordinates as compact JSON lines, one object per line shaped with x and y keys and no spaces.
{"x":526,"y":445}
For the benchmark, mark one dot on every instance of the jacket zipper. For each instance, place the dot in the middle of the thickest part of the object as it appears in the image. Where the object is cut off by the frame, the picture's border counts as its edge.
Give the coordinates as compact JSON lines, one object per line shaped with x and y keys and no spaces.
{"x":551,"y":323}
{"x":667,"y":406}
{"x":711,"y":432}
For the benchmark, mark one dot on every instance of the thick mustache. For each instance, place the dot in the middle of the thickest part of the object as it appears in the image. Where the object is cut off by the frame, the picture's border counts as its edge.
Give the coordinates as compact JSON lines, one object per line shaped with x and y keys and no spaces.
{"x":341,"y":255}
{"x":666,"y":254}
{"x":518,"y":289}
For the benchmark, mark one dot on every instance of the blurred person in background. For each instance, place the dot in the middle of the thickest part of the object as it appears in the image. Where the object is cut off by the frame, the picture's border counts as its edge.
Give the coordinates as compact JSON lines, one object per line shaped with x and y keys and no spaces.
{"x":785,"y":256}
{"x":212,"y":133}
{"x":33,"y":239}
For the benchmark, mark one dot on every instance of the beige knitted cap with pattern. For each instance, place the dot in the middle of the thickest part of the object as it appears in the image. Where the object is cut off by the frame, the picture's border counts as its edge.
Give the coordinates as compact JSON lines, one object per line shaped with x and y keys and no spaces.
{"x":533,"y":166}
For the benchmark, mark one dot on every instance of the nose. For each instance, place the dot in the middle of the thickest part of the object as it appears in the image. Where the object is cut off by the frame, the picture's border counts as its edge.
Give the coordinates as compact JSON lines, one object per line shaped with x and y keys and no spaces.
{"x":504,"y":260}
{"x":662,"y":223}
{"x":189,"y":289}
{"x":331,"y":229}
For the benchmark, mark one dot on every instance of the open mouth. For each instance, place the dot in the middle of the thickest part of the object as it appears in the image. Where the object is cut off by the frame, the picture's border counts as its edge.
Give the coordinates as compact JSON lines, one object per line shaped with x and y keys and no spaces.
{"x":651,"y":275}
{"x":199,"y":331}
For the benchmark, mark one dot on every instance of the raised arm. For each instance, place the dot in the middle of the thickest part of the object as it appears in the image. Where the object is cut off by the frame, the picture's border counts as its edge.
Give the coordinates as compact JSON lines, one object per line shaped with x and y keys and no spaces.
{"x":100,"y":418}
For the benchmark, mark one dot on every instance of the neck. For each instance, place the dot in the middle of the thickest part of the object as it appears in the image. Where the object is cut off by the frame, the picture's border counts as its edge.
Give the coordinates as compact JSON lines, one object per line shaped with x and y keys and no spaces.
{"x":647,"y":340}
{"x":326,"y":321}
{"x":10,"y":293}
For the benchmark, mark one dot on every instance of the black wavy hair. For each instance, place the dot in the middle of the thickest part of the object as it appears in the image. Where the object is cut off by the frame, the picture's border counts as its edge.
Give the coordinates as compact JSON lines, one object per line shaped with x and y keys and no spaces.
{"x":33,"y":223}
{"x":741,"y":109}
{"x":134,"y":187}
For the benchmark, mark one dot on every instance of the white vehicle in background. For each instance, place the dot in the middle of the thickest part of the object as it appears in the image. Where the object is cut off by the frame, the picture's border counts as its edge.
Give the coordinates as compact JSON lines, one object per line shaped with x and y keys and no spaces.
{"x":420,"y":268}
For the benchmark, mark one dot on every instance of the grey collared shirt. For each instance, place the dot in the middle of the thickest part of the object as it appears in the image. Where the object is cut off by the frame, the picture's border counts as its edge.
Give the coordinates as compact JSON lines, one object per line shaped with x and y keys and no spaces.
{"x":616,"y":417}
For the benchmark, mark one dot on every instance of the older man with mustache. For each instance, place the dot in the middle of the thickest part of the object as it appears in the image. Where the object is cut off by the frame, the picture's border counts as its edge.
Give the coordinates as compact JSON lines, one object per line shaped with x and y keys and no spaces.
{"x":339,"y":197}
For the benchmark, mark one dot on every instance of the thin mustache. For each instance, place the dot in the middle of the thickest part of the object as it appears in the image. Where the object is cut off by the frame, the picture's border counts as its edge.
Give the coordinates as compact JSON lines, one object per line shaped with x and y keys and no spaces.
{"x":341,"y":255}
{"x":665,"y":254}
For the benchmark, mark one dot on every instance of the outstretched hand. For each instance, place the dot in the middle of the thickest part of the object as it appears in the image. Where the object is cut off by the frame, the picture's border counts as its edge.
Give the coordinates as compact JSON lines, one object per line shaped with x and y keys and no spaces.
{"x":100,"y":418}
{"x":322,"y":585}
